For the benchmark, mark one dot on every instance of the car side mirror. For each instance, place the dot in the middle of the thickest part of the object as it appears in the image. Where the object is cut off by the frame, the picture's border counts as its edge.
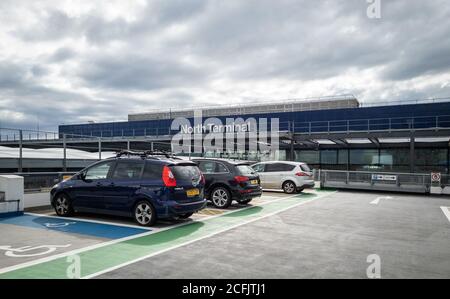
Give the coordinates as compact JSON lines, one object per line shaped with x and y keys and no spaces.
{"x":82,"y":176}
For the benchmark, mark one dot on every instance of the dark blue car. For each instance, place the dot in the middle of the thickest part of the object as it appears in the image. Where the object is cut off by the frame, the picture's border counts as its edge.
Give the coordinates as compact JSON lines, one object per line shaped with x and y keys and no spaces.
{"x":146,"y":188}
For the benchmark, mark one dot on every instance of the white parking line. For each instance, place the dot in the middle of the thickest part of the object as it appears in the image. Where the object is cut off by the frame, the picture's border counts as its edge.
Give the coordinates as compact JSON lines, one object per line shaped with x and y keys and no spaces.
{"x":446,"y":212}
{"x":95,"y":246}
{"x":205,"y":237}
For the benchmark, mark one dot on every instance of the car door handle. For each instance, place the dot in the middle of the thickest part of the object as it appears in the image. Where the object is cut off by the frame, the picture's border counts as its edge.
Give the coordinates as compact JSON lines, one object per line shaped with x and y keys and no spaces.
{"x":112,"y":185}
{"x":99,"y":184}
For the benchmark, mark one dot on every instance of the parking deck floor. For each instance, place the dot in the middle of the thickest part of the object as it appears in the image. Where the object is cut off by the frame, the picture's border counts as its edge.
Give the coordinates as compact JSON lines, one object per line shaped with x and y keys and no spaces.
{"x":317,"y":234}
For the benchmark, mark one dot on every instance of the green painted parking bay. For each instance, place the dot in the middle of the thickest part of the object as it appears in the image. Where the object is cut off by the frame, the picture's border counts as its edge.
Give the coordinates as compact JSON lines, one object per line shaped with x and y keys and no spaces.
{"x":104,"y":258}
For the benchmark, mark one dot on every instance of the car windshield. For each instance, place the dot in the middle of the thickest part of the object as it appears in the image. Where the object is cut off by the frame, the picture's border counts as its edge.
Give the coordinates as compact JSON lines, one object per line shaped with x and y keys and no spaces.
{"x":245,"y":170}
{"x":185,"y":172}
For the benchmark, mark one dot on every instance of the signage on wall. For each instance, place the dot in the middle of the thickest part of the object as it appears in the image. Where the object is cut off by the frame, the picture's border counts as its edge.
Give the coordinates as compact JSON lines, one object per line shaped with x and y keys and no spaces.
{"x":436,"y":177}
{"x":383,"y":177}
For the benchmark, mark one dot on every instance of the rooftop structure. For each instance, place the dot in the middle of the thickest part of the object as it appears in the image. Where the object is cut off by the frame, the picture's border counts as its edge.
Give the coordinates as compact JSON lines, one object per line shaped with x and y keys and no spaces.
{"x":294,"y":105}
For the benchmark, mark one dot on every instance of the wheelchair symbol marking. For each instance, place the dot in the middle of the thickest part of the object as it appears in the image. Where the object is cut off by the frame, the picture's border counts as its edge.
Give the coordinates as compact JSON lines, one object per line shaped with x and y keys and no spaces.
{"x":57,"y":225}
{"x":24,"y":251}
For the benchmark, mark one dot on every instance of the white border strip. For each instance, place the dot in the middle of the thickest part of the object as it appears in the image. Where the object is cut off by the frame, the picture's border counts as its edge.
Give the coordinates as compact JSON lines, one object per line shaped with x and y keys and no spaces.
{"x":446,"y":212}
{"x":95,"y":246}
{"x":204,"y":237}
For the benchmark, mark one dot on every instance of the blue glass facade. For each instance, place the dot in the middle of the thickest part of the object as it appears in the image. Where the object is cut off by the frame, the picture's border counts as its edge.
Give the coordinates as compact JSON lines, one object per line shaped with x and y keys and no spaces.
{"x":417,"y":116}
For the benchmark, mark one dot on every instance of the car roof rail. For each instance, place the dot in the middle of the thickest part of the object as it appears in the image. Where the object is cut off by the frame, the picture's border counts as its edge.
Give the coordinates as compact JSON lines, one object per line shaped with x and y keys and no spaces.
{"x":145,"y":154}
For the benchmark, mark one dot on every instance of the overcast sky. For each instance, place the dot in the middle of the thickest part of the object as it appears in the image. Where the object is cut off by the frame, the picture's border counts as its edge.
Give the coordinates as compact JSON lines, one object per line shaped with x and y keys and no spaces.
{"x":75,"y":61}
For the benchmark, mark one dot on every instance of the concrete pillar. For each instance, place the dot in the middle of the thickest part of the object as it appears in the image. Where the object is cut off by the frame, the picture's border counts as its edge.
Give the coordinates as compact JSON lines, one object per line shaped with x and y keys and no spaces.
{"x":64,"y":153}
{"x":412,"y":156}
{"x":348,"y":159}
{"x":99,"y":148}
{"x":20,"y":151}
{"x":292,"y":149}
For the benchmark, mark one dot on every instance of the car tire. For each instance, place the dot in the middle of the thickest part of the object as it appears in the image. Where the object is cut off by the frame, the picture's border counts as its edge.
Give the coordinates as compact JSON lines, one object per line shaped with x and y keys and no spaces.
{"x":245,"y":201}
{"x":63,"y":205}
{"x":185,"y":216}
{"x":289,"y":187}
{"x":144,"y":214}
{"x":220,"y":197}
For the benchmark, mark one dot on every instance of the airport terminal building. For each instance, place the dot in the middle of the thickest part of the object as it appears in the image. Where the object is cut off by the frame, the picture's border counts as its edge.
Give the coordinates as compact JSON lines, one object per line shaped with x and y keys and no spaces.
{"x":327,"y":133}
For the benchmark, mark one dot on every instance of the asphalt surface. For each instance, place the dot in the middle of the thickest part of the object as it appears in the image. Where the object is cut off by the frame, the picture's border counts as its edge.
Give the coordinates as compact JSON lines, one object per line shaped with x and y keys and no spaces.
{"x":17,"y":237}
{"x":331,"y":237}
{"x":318,"y":234}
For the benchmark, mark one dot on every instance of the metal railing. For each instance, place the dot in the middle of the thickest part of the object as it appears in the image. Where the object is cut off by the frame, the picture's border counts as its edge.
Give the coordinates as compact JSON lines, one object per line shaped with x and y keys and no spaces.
{"x":41,"y":181}
{"x":16,"y":135}
{"x":314,"y":127}
{"x":370,"y":125}
{"x":404,"y":102}
{"x":397,"y":182}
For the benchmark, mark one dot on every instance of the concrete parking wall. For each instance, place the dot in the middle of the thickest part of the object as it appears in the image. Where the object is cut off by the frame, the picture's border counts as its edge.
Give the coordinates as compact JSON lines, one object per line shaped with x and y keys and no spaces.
{"x":33,"y":200}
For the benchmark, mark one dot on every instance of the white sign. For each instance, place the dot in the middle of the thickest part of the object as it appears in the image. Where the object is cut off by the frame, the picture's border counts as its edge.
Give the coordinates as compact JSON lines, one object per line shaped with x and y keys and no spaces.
{"x":211,"y":127}
{"x":382,"y":177}
{"x":22,"y":251}
{"x":436,"y":177}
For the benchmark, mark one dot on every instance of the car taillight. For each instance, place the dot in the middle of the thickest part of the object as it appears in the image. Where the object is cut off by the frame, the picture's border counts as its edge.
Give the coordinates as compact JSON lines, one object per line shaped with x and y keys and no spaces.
{"x":202,"y":179}
{"x":168,"y":177}
{"x":301,"y":174}
{"x":240,"y":179}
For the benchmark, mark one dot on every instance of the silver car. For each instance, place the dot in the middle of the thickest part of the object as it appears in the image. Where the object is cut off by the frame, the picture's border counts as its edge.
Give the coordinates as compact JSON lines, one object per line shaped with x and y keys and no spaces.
{"x":291,"y":177}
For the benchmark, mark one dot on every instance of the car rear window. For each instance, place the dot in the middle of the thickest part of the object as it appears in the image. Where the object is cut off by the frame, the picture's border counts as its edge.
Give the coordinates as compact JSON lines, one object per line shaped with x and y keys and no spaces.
{"x":207,"y":166}
{"x":152,"y":171}
{"x":245,"y":169}
{"x":185,"y":172}
{"x":305,"y":167}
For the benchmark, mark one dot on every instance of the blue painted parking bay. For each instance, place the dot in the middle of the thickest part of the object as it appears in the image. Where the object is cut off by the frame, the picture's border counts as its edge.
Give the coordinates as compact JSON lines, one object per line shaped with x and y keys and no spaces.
{"x":74,"y":226}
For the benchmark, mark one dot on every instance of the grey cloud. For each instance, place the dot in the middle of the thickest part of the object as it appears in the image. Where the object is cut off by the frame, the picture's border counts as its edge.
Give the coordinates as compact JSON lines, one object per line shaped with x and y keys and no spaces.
{"x":39,"y":70}
{"x":11,"y":75}
{"x":62,"y":54}
{"x":137,"y":72}
{"x":239,"y":41}
{"x":157,"y":15}
{"x":21,"y":94}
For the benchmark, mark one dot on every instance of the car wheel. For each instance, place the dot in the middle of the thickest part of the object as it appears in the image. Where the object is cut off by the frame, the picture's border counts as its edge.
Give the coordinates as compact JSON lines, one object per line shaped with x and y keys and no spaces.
{"x":63,"y":206}
{"x":289,"y":187}
{"x":144,"y":213}
{"x":245,"y":201}
{"x":221,"y":198}
{"x":185,"y":216}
